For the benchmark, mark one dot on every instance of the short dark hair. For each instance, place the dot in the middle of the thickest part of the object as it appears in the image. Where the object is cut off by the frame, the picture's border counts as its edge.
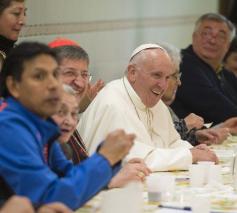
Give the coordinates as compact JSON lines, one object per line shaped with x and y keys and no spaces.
{"x":6,"y":3}
{"x":71,"y":52}
{"x":14,"y":63}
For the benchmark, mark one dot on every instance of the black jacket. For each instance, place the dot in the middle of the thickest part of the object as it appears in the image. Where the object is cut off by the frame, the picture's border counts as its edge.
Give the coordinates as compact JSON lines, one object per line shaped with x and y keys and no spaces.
{"x":202,"y":92}
{"x":6,"y":45}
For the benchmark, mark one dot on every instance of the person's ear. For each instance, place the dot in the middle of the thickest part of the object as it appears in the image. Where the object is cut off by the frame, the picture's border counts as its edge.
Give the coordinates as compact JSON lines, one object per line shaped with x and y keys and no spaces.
{"x":131,"y":73}
{"x":12,"y":86}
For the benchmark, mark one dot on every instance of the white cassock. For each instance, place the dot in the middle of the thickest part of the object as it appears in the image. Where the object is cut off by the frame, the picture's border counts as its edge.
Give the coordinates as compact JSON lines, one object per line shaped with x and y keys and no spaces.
{"x":117,"y":106}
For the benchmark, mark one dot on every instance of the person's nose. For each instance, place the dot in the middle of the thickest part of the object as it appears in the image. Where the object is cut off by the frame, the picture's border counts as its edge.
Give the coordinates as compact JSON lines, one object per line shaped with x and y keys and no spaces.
{"x":53,"y":83}
{"x":163,"y":83}
{"x":80,"y":82}
{"x":212,"y":40}
{"x":22,"y":19}
{"x":213,"y":37}
{"x":69,"y":121}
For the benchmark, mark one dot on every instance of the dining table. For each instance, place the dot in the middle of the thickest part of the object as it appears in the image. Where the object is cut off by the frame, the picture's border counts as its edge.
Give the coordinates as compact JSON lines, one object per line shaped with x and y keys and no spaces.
{"x":222,"y":196}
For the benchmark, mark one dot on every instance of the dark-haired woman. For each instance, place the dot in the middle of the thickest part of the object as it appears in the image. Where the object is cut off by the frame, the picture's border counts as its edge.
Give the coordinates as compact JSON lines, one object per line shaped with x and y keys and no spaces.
{"x":12,"y":19}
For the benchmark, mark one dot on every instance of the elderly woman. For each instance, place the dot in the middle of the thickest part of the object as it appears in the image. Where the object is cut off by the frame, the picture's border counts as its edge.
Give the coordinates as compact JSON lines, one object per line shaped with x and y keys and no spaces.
{"x":12,"y":19}
{"x":67,"y":119}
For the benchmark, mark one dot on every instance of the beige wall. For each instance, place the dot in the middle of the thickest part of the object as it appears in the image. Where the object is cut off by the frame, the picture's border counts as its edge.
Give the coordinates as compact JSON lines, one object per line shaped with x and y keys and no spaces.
{"x":110,"y":29}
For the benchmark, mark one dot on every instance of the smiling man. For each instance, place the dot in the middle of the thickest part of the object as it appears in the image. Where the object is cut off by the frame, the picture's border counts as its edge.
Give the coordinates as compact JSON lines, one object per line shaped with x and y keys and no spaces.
{"x":133,"y":103}
{"x":207,"y":89}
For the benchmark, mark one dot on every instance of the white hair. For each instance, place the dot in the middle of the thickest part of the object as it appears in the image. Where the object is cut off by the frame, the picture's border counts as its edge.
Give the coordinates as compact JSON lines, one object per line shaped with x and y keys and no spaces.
{"x":174,"y":54}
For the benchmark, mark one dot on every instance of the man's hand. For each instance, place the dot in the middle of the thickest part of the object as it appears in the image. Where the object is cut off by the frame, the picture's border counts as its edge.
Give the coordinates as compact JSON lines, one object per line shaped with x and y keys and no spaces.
{"x":222,"y":133}
{"x":193,"y":121}
{"x":212,"y":136}
{"x":231,"y":124}
{"x":17,"y":204}
{"x":89,"y":94}
{"x":134,"y":170}
{"x":116,"y":146}
{"x":55,"y":207}
{"x":93,"y":89}
{"x":202,"y":153}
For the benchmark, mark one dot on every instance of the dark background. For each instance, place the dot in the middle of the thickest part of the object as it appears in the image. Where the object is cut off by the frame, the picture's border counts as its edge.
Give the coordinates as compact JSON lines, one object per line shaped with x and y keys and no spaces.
{"x":229,"y":9}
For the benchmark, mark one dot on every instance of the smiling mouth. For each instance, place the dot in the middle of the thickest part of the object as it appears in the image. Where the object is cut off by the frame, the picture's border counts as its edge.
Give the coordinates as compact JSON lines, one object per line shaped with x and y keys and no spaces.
{"x":156,"y":92}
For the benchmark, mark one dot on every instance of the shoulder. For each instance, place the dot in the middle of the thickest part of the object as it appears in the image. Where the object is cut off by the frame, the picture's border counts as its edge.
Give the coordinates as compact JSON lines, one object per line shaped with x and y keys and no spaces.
{"x":111,"y":96}
{"x":14,"y":126}
{"x":191,"y":61}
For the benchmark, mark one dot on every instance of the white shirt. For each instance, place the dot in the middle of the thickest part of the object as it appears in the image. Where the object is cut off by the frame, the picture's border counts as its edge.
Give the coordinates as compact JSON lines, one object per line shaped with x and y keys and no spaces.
{"x":117,"y":106}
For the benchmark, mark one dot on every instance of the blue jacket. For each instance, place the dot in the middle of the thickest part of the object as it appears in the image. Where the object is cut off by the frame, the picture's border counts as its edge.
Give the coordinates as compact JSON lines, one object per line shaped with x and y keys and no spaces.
{"x":24,"y":167}
{"x":202,"y":92}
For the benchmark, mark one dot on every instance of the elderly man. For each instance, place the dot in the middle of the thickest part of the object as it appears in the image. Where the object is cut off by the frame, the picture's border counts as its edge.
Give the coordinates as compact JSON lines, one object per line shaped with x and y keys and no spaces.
{"x":74,"y":70}
{"x":32,"y":164}
{"x":133,"y":103}
{"x":206,"y":89}
{"x":74,"y":62}
{"x":189,"y":128}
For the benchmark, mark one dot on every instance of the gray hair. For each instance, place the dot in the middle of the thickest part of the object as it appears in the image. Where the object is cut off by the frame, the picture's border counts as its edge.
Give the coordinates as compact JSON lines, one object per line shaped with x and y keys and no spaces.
{"x":218,"y":18}
{"x":174,"y":54}
{"x":71,"y":52}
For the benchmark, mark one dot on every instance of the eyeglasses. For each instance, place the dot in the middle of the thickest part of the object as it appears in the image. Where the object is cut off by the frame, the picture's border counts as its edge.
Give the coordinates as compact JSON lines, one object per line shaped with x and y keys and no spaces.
{"x":74,"y":74}
{"x":209,"y":34}
{"x":176,"y":76}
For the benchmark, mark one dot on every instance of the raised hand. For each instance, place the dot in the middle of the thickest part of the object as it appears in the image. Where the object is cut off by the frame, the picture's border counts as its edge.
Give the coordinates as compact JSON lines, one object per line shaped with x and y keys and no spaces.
{"x":193,"y":121}
{"x":116,"y":146}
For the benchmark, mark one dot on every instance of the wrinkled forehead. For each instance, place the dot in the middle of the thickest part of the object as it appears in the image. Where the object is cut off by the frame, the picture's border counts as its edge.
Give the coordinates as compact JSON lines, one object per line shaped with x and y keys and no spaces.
{"x":214,"y":24}
{"x":157,"y":61}
{"x":69,"y":100}
{"x":17,"y":4}
{"x":157,"y":56}
{"x":150,"y":55}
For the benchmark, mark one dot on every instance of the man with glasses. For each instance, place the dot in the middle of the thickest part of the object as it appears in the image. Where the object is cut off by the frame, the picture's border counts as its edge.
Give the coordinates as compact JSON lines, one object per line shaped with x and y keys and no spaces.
{"x":206,"y":87}
{"x":74,"y":70}
{"x":133,"y":103}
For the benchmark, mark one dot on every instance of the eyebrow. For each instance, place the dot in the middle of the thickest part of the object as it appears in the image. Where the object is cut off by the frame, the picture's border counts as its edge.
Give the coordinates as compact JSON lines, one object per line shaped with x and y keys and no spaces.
{"x":211,"y":28}
{"x":74,"y":69}
{"x":39,"y":69}
{"x":20,"y":8}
